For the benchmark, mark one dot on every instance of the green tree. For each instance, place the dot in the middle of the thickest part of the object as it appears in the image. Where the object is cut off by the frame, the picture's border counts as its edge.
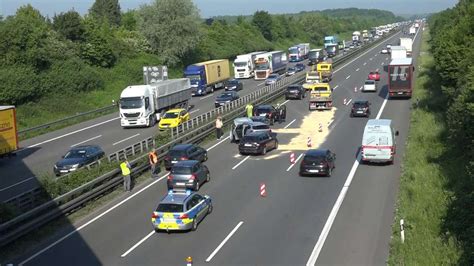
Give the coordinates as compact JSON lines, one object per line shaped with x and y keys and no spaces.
{"x":263,"y":21}
{"x":97,"y":48}
{"x":69,"y":25}
{"x":171,"y":27}
{"x":129,"y":20}
{"x":106,"y":9}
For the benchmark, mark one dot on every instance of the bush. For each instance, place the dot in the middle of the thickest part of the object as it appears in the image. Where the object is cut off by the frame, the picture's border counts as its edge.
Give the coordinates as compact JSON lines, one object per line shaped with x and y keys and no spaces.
{"x":18,"y":84}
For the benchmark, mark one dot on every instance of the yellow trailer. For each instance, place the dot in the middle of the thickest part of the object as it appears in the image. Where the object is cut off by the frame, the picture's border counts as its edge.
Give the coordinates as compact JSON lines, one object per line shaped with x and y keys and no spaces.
{"x":216,"y":70}
{"x":8,"y":130}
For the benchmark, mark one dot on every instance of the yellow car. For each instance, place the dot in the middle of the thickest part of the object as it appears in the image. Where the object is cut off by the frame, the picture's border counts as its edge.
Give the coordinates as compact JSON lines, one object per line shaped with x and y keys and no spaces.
{"x":173,"y":118}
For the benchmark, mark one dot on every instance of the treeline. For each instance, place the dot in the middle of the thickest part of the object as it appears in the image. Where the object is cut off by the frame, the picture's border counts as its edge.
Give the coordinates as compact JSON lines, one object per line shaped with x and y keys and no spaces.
{"x":452,"y":43}
{"x":70,"y":54}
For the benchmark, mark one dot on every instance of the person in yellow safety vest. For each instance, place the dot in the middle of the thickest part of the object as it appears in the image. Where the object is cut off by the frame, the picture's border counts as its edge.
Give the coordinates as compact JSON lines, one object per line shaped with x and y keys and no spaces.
{"x":127,"y":180}
{"x":249,"y":109}
{"x":153,"y":160}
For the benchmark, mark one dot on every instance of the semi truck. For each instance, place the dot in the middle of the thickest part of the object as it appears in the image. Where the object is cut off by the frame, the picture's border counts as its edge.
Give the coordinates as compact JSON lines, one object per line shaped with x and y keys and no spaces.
{"x":207,"y":76}
{"x":400,"y":77}
{"x":356,"y":37}
{"x":8,"y":131}
{"x":144,"y":105}
{"x":407,"y":43}
{"x":320,"y":97}
{"x":398,"y":52}
{"x":330,"y":41}
{"x":271,"y":62}
{"x":332,"y":50}
{"x":316,"y":55}
{"x":365,"y":35}
{"x":298,"y":52}
{"x":244,"y":65}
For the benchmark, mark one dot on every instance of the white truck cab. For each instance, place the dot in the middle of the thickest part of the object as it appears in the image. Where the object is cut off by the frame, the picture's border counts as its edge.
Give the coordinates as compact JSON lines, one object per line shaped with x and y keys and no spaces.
{"x":135,"y":106}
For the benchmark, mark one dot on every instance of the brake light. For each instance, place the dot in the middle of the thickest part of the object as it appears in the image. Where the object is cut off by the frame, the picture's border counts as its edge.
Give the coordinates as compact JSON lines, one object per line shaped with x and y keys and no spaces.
{"x":155,"y":215}
{"x":193,"y":177}
{"x":170,"y":177}
{"x":184,"y":158}
{"x":184,"y":216}
{"x":270,"y":115}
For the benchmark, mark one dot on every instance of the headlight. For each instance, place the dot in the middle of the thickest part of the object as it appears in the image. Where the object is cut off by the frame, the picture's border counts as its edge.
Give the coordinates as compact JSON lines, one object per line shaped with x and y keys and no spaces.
{"x":75,"y":165}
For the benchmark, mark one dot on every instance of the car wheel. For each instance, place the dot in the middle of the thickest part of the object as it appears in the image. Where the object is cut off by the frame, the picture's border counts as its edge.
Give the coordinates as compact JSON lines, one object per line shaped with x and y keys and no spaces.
{"x":208,"y":177}
{"x":351,"y":114}
{"x":286,"y":98}
{"x":156,"y":230}
{"x":209,"y":210}
{"x":276,"y":145}
{"x":205,"y":157}
{"x":195,"y":225}
{"x":272,"y":121}
{"x":197,"y":186}
{"x":264,"y":151}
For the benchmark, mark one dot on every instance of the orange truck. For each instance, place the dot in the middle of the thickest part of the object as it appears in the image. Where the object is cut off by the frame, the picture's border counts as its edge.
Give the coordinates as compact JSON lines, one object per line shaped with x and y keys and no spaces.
{"x":8,"y":130}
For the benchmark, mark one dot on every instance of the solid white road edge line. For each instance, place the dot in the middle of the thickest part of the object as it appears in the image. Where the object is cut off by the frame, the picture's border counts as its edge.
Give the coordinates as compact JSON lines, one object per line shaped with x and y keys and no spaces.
{"x":118,"y":142}
{"x":260,"y":84}
{"x":82,"y":142}
{"x":92,"y":220}
{"x":215,"y":145}
{"x":285,"y":101}
{"x":335,"y":209}
{"x":237,"y":165}
{"x":137,"y":244}
{"x":197,"y":110}
{"x":293,"y":164}
{"x":289,"y":124}
{"x":224,"y":241}
{"x":16,"y":184}
{"x":73,"y":132}
{"x":205,"y":97}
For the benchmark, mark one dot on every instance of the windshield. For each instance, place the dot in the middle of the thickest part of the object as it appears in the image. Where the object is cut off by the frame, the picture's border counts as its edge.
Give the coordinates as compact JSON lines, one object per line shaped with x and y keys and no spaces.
{"x":272,"y":76}
{"x":250,"y":139}
{"x":131,"y":103}
{"x":225,"y":95}
{"x":75,"y":154}
{"x":240,"y":64}
{"x":180,"y":170}
{"x":370,"y":82}
{"x":293,"y":88}
{"x":262,"y":110}
{"x":314,"y":159}
{"x":320,"y":89}
{"x":291,"y":69}
{"x":194,"y":78}
{"x":177,"y":153}
{"x":232,"y":83}
{"x":360,"y":105}
{"x":169,"y":207}
{"x":261,"y":127}
{"x":171,"y":115}
{"x":293,"y":50}
{"x":261,"y":66}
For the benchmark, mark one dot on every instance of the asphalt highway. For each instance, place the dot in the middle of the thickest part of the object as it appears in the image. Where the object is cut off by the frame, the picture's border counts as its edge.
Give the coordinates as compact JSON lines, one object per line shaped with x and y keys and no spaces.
{"x":283,"y":228}
{"x":38,"y":155}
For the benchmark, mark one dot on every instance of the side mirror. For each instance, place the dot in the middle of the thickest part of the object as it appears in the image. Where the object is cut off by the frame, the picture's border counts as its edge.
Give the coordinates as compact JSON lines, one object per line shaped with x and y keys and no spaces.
{"x":397,"y":133}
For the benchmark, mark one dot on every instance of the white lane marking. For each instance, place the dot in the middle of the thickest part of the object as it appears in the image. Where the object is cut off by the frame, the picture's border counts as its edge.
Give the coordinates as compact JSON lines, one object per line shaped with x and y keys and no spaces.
{"x":330,"y":123}
{"x":73,"y":132}
{"x":335,"y":209}
{"x":348,"y":102}
{"x":197,"y":110}
{"x":386,"y":58}
{"x":361,"y":88}
{"x":348,"y":77}
{"x":376,"y":54}
{"x":335,"y":87}
{"x":365,"y":63}
{"x":260,"y":84}
{"x":224,"y":241}
{"x":293,"y":164}
{"x":335,"y":71}
{"x":92,"y":220}
{"x":82,"y":142}
{"x":381,"y":64}
{"x":138,"y":244}
{"x":215,"y":145}
{"x":370,"y":59}
{"x":377,"y":70}
{"x":289,"y":124}
{"x":237,"y":165}
{"x":16,"y":184}
{"x":118,"y":142}
{"x":285,"y":102}
{"x":357,"y":69}
{"x":205,"y":97}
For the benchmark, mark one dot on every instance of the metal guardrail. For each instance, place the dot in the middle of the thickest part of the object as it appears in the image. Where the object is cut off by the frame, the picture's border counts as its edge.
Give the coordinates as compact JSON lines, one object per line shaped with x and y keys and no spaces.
{"x":47,"y":125}
{"x":67,"y":203}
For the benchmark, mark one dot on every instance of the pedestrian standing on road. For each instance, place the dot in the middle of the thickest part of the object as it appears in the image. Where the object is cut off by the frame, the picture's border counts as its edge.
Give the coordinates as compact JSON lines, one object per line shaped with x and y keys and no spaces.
{"x":249,"y":109}
{"x":219,"y":125}
{"x":127,"y":180}
{"x":153,"y":160}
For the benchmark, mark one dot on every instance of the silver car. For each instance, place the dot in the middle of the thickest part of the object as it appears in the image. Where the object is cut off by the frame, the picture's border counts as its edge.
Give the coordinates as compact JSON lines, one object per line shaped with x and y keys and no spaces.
{"x":273,"y":78}
{"x":243,"y":126}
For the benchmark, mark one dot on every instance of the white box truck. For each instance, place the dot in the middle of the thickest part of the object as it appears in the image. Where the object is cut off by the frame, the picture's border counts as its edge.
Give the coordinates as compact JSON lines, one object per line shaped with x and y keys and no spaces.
{"x":398,"y":52}
{"x":244,"y":65}
{"x":143,"y":105}
{"x":407,"y":43}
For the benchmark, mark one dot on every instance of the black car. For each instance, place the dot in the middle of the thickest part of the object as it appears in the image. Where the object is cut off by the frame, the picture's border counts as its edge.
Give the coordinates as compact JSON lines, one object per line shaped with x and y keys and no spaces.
{"x":78,"y":157}
{"x":300,"y":67}
{"x":182,"y":152}
{"x":295,"y":92}
{"x":234,"y":85}
{"x":318,"y":162}
{"x":360,"y":108}
{"x":271,"y":113}
{"x":258,"y":143}
{"x":188,"y":175}
{"x":226,"y":97}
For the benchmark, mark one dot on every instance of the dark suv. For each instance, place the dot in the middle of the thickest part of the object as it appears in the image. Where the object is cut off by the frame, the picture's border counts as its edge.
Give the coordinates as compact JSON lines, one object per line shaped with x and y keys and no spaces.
{"x":258,"y":143}
{"x":182,"y":152}
{"x":360,"y":108}
{"x":318,"y":162}
{"x":272,"y":113}
{"x":295,"y":92}
{"x":188,"y":175}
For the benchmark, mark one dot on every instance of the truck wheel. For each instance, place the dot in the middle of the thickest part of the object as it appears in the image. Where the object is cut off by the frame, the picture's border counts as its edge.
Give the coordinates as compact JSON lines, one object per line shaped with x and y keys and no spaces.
{"x":212,"y":89}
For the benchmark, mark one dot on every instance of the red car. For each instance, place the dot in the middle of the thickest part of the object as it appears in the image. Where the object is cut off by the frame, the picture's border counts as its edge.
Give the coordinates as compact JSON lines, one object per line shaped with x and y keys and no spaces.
{"x":374,"y":75}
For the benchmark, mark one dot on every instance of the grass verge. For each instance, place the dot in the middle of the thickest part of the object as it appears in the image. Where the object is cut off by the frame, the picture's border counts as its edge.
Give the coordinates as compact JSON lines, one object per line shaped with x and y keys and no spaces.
{"x":425,"y":197}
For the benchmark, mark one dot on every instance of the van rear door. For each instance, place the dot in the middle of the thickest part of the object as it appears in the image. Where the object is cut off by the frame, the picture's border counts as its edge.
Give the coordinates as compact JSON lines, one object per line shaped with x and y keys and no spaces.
{"x":378,"y":148}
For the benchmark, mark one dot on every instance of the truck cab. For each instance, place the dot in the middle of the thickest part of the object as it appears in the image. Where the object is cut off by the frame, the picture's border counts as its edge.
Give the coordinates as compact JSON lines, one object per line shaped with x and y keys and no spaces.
{"x":325,"y":70}
{"x":320,"y":97}
{"x":136,"y":106}
{"x":197,"y":76}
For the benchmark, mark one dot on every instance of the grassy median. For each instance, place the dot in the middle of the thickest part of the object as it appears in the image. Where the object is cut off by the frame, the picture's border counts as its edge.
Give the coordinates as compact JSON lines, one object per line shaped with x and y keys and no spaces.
{"x":429,"y":166}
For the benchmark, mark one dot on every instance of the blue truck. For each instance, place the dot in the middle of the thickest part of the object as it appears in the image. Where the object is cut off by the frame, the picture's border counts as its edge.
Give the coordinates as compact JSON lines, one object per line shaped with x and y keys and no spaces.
{"x":329,"y":41}
{"x":207,"y":76}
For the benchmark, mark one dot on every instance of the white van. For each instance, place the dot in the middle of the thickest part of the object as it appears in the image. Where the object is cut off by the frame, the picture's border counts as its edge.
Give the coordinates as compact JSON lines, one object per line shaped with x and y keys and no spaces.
{"x":378,"y":142}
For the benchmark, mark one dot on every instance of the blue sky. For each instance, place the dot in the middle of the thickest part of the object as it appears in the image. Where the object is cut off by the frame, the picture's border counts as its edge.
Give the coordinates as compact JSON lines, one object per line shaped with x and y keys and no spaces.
{"x":241,"y":7}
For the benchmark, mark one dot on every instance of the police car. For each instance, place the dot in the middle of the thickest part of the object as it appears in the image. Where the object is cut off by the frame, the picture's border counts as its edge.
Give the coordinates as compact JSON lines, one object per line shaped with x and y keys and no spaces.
{"x":181,"y":210}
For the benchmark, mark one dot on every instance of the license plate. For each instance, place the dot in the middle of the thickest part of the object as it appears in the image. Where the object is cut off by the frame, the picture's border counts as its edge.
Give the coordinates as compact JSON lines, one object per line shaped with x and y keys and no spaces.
{"x":174,"y":161}
{"x":63,"y":171}
{"x":400,"y":92}
{"x":248,"y":145}
{"x":180,"y":184}
{"x":314,"y":171}
{"x":263,"y":115}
